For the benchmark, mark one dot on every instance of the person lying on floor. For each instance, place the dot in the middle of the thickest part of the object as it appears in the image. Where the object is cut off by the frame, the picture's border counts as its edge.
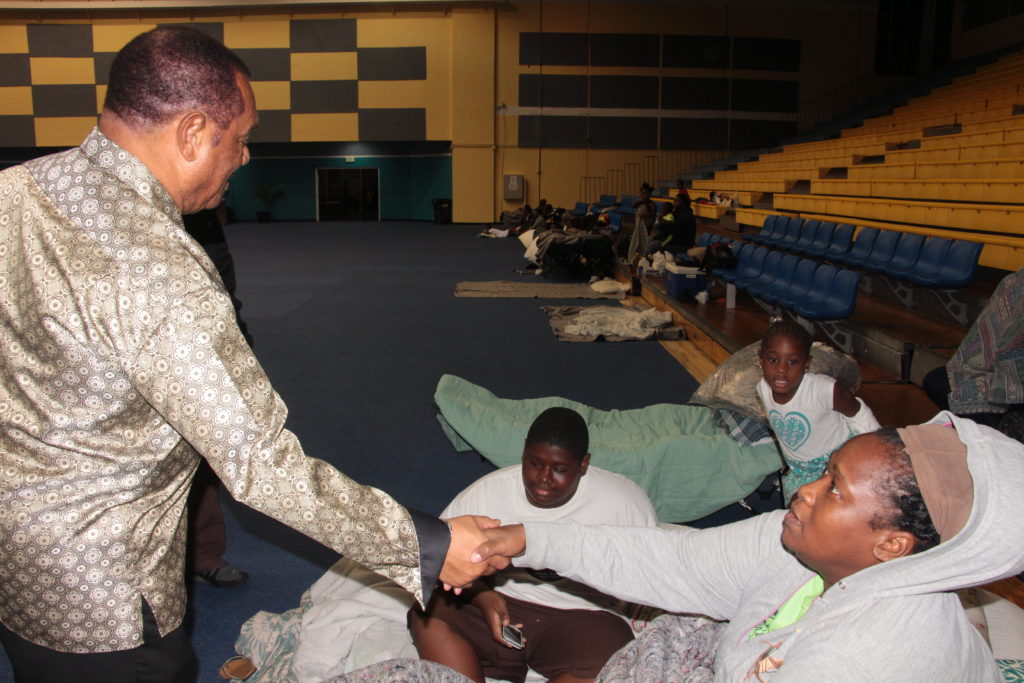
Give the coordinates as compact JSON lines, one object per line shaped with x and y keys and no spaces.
{"x":567,"y":627}
{"x":858,"y":589}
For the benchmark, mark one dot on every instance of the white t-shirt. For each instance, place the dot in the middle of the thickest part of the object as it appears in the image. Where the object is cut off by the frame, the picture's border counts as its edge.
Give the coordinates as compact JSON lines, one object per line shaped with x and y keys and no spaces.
{"x":807,"y":427}
{"x":602,"y":497}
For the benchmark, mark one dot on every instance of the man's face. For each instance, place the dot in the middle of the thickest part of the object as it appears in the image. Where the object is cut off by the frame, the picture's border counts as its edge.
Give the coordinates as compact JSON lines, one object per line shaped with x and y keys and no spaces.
{"x":551,"y":474}
{"x":828,"y":526}
{"x":220,"y":160}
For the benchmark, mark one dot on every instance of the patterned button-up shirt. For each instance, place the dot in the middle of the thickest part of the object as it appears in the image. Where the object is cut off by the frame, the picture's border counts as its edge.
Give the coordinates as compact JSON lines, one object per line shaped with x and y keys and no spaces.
{"x":121,"y":363}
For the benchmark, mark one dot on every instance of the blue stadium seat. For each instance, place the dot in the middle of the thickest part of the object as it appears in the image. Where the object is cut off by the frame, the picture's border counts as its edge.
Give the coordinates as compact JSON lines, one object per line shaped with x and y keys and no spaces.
{"x":793,"y":230}
{"x":781,"y":226}
{"x":822,"y":238}
{"x":807,"y":232}
{"x":957,"y":270}
{"x":769,"y":270}
{"x":796,"y":287}
{"x":842,"y":240}
{"x":626,"y":204}
{"x":768,"y":228}
{"x":881,"y":250}
{"x":615,"y":221}
{"x":861,"y":247}
{"x":908,"y":247}
{"x":580,"y":209}
{"x":605,"y":201}
{"x":750,"y":266}
{"x":840,"y":300}
{"x":742,"y":252}
{"x":816,"y":292}
{"x":929,"y":261}
{"x":783,"y":276}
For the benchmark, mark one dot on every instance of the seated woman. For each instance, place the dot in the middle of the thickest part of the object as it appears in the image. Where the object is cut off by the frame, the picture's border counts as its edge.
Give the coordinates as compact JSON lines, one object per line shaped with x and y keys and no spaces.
{"x":856,"y":587}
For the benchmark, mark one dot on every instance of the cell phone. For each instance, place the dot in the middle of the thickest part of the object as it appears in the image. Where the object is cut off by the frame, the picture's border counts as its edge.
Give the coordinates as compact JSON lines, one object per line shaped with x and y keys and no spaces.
{"x":513,"y":636}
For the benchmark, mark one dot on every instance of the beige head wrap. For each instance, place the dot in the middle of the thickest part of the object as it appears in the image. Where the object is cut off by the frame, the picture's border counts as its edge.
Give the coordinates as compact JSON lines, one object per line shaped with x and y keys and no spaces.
{"x":939,"y":460}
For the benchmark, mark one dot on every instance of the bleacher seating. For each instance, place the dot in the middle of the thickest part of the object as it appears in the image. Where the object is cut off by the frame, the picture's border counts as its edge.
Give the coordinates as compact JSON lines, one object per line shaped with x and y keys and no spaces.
{"x":908,"y":247}
{"x":838,"y":303}
{"x":841,"y":242}
{"x":604,"y":201}
{"x":860,"y":248}
{"x":579,"y":210}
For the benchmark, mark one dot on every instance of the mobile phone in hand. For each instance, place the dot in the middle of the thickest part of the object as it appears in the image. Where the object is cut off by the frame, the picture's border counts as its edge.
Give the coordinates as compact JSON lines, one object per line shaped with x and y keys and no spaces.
{"x":513,"y":636}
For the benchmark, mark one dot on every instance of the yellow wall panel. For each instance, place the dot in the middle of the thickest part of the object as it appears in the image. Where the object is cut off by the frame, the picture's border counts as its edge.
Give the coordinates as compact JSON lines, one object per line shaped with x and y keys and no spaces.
{"x":324,"y":127}
{"x":101,"y":94}
{"x":61,"y":70}
{"x":13,"y":39}
{"x":473,"y":77}
{"x":324,"y":66}
{"x":472,"y":184}
{"x":16,"y":100}
{"x":272,"y":94}
{"x":112,"y":37}
{"x":404,"y":32}
{"x":63,"y":131}
{"x":388,"y":94}
{"x":253,"y":33}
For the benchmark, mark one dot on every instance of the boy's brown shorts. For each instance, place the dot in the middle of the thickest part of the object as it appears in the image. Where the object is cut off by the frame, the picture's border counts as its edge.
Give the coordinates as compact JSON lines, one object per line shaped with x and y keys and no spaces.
{"x":574,"y":641}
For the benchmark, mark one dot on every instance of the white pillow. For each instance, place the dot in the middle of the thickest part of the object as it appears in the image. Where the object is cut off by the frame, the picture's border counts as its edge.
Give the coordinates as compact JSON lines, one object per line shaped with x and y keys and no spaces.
{"x":609,"y":286}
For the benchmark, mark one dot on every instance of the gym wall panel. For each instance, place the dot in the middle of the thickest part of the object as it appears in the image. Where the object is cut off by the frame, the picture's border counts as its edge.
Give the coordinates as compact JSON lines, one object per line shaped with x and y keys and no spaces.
{"x":257,"y":33}
{"x":695,"y":133}
{"x":695,"y":93}
{"x":322,"y":35}
{"x":324,"y":97}
{"x":14,"y":70}
{"x":472,"y":105}
{"x":392,"y":63}
{"x":60,"y":40}
{"x":16,"y":100}
{"x":64,"y":100}
{"x":624,"y":91}
{"x":101,"y":62}
{"x":323,"y":127}
{"x":695,"y":52}
{"x":274,"y":126}
{"x":323,"y":66}
{"x":61,"y":70}
{"x":766,"y":54}
{"x":392,"y":124}
{"x":272,"y":95}
{"x":536,"y":90}
{"x":273,"y":64}
{"x":63,"y":131}
{"x":753,"y":94}
{"x":624,"y":132}
{"x":625,"y":49}
{"x":18,"y":131}
{"x":553,"y":49}
{"x":13,"y":39}
{"x":112,"y":37}
{"x":553,"y":131}
{"x":101,"y":94}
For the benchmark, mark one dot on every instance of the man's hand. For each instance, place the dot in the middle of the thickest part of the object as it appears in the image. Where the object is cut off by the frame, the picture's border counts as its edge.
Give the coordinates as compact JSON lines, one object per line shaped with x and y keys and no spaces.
{"x":502,"y":543}
{"x":494,"y":609}
{"x":467,"y":534}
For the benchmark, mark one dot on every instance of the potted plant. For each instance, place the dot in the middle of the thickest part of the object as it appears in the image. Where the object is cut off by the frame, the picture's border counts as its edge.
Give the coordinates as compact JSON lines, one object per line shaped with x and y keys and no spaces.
{"x":269,"y":195}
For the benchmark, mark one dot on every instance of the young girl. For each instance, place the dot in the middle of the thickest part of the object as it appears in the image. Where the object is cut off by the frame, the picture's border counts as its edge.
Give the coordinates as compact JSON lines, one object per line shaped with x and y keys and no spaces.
{"x":811,"y":414}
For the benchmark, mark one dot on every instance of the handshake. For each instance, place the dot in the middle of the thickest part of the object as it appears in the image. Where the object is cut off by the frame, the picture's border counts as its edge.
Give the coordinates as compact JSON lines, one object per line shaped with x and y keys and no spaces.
{"x":479,"y":547}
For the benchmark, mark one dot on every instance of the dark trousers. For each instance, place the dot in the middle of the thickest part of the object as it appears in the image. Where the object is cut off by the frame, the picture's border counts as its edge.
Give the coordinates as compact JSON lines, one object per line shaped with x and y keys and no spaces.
{"x":167,"y":659}
{"x":207,"y":536}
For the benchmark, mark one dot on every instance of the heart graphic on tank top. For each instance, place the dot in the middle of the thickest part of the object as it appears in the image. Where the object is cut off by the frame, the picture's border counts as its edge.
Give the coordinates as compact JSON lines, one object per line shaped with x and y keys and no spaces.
{"x":793,"y":429}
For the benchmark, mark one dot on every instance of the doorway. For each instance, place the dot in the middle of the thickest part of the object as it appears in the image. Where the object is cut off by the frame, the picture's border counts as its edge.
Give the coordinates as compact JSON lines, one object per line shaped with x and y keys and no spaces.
{"x":347,"y":194}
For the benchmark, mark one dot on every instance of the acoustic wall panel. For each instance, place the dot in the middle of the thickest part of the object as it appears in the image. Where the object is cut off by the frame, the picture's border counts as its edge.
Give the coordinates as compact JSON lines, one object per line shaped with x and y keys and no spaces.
{"x":323,"y":35}
{"x":553,"y":131}
{"x":695,"y":93}
{"x":60,"y":40}
{"x":392,"y":124}
{"x":752,"y":94}
{"x":751,"y":134}
{"x":267,"y":64}
{"x":17,"y":131}
{"x":552,"y":91}
{"x":553,"y":49}
{"x":324,"y":97}
{"x":695,"y":52}
{"x":64,"y":100}
{"x":766,"y":54}
{"x":625,"y":49}
{"x":14,"y":70}
{"x":624,"y":91}
{"x":694,"y":134}
{"x":392,"y":63}
{"x":621,"y":132}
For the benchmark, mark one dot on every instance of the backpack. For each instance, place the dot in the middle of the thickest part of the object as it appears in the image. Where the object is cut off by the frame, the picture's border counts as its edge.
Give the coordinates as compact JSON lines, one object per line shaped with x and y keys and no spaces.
{"x":718,"y":255}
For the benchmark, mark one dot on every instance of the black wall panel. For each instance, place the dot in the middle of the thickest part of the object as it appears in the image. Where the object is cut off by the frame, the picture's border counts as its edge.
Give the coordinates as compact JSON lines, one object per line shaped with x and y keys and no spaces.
{"x":392,"y":63}
{"x":766,"y":54}
{"x":60,"y":40}
{"x":64,"y":100}
{"x":751,"y":94}
{"x":324,"y":97}
{"x":553,"y":131}
{"x":695,"y":93}
{"x":695,"y":52}
{"x":274,"y":125}
{"x":694,"y":134}
{"x":552,"y":91}
{"x":624,"y":91}
{"x":748,"y":134}
{"x":323,"y":35}
{"x":14,"y":70}
{"x":625,"y":49}
{"x":553,"y":49}
{"x":267,"y":64}
{"x":17,"y":131}
{"x":615,"y":132}
{"x":392,"y":124}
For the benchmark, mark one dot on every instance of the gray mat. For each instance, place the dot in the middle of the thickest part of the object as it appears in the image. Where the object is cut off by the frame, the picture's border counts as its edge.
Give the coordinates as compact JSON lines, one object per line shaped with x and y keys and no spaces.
{"x":508,"y":289}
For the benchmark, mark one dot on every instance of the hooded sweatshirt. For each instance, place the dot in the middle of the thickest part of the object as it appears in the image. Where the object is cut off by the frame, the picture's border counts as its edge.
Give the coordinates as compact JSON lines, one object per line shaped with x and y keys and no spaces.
{"x":894,"y":621}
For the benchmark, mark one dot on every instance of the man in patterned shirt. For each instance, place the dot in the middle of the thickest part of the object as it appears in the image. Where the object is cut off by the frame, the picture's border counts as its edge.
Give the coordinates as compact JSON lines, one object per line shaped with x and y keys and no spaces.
{"x":123,"y":366}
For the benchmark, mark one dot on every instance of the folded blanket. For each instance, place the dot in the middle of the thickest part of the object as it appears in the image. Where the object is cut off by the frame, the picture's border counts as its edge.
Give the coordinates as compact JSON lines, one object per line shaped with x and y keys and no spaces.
{"x":688,"y":466}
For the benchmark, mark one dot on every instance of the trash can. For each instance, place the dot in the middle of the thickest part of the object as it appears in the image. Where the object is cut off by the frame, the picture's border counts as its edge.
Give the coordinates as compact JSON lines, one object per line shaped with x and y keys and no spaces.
{"x":442,"y":211}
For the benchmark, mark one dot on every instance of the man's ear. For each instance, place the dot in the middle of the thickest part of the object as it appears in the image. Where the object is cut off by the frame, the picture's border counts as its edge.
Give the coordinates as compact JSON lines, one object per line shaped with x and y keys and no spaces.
{"x":893,"y":545}
{"x":584,"y":463}
{"x":191,"y":133}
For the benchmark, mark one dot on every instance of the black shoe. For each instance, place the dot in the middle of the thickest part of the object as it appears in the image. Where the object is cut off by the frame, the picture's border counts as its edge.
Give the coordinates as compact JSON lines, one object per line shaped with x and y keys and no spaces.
{"x":225,"y":576}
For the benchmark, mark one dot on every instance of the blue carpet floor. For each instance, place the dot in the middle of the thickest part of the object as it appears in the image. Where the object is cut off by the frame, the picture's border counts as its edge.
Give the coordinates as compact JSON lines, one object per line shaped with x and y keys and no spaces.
{"x":354,"y":324}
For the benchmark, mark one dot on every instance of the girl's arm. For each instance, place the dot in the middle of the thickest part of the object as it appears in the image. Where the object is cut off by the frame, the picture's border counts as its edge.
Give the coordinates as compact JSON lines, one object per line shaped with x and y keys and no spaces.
{"x":843,"y":400}
{"x":857,"y":413}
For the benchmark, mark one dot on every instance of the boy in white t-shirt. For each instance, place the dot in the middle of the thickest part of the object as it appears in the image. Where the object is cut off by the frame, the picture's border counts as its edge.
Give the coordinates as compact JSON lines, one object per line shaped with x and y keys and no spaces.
{"x":569,"y":629}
